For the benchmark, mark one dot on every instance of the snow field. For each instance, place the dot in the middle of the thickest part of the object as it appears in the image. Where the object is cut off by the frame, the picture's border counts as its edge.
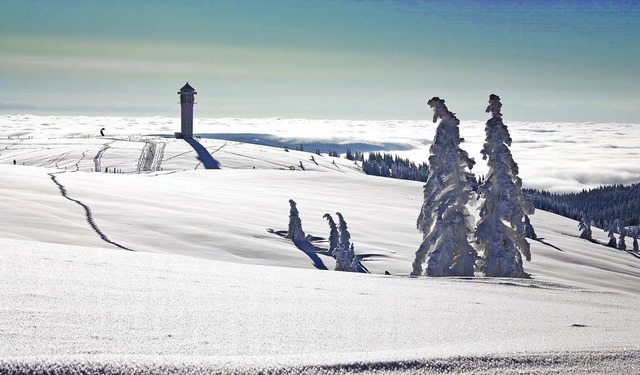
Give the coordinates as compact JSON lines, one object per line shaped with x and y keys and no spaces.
{"x":207,"y":287}
{"x":61,"y":300}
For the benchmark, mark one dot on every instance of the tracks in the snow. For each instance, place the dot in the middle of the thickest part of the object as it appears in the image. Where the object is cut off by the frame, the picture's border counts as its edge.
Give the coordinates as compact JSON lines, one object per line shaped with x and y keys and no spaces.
{"x":79,"y":161}
{"x":151,"y":157}
{"x":88,"y":213}
{"x":97,"y":160}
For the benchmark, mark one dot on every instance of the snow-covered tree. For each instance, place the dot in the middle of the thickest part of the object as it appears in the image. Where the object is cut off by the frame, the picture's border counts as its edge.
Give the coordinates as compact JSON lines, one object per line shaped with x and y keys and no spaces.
{"x":295,"y":231}
{"x":334,"y":236}
{"x":633,"y":232}
{"x":353,"y":267}
{"x":500,"y":232}
{"x":585,"y":228}
{"x":444,"y":220}
{"x":621,"y":229}
{"x":529,"y":232}
{"x":611,"y":230}
{"x":345,"y":236}
{"x":344,"y":252}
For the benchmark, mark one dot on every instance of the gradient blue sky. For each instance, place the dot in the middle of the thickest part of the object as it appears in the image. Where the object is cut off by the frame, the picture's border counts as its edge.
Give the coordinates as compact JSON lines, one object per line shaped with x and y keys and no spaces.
{"x":548,"y":60}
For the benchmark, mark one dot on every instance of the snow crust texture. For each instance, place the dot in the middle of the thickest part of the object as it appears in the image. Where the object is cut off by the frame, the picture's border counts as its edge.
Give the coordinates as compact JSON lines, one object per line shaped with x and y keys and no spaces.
{"x":539,"y":363}
{"x":59,"y":301}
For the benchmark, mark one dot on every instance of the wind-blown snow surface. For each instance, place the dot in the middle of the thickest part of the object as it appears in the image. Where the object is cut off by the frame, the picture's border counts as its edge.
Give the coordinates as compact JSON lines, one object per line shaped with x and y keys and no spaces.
{"x":67,"y":303}
{"x":208,"y":288}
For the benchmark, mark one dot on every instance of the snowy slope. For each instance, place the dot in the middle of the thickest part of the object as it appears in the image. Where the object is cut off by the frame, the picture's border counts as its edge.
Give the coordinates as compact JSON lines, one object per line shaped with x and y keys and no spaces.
{"x":208,"y":286}
{"x":225,"y":215}
{"x":551,"y":156}
{"x":67,"y":305}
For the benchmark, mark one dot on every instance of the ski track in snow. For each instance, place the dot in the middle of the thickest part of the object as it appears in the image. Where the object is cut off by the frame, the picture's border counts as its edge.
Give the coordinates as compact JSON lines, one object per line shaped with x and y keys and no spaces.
{"x":84,"y":153}
{"x":150,"y":157}
{"x":61,"y":158}
{"x":56,"y":160}
{"x":158,"y":154}
{"x":283,"y":166}
{"x":98,"y":158}
{"x":88,"y":213}
{"x":178,"y":155}
{"x":146,"y":157}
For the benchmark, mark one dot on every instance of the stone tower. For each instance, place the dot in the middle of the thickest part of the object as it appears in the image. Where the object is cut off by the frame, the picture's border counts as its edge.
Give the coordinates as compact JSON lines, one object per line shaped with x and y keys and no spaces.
{"x":187,"y":98}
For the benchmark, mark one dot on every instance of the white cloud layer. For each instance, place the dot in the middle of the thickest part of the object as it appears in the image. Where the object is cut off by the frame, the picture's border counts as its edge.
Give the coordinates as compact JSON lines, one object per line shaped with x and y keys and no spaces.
{"x":558,"y":157}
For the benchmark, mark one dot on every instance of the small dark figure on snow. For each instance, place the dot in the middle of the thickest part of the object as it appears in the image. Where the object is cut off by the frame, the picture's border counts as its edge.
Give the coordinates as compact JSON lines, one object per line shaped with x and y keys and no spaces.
{"x":102,"y":132}
{"x":14,"y":161}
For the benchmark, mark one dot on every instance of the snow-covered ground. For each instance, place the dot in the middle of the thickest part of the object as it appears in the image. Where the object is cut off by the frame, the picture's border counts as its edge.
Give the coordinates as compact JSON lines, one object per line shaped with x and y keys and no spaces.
{"x":207,"y":287}
{"x":552,"y":156}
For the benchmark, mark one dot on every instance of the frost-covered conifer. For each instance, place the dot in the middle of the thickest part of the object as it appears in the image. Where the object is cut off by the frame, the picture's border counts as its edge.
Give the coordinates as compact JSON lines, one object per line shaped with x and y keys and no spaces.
{"x":529,"y":232}
{"x":585,"y":228}
{"x":633,"y":231}
{"x":334,"y":236}
{"x":295,"y":231}
{"x":500,"y":232}
{"x":345,"y":236}
{"x":354,"y":259}
{"x":611,"y":230}
{"x":344,"y":252}
{"x":621,"y":229}
{"x":444,"y":220}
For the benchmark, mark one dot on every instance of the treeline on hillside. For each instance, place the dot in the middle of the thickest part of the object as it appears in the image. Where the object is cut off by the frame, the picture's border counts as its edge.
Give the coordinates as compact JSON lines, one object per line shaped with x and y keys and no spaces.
{"x":603,"y":205}
{"x":388,"y":165}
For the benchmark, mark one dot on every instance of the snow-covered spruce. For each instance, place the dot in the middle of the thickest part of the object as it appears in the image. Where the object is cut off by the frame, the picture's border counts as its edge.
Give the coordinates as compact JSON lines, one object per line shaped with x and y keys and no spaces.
{"x":529,"y":232}
{"x":633,"y":232}
{"x":344,"y":252}
{"x":500,"y":233}
{"x":295,"y":232}
{"x":444,"y":220}
{"x":611,"y":230}
{"x":334,"y":236}
{"x":585,"y":228}
{"x":621,"y":229}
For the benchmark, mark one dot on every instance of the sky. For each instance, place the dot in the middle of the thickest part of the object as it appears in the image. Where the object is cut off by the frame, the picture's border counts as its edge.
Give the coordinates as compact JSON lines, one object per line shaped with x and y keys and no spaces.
{"x":574,"y":61}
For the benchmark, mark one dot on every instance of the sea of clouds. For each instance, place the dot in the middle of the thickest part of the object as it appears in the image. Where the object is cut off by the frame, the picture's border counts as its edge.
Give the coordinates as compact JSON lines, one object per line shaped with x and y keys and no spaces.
{"x":559,"y":157}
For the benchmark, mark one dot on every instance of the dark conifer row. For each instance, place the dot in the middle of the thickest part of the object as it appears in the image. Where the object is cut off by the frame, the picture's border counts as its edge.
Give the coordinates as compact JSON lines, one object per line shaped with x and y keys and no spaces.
{"x":603,"y":204}
{"x":389,"y":165}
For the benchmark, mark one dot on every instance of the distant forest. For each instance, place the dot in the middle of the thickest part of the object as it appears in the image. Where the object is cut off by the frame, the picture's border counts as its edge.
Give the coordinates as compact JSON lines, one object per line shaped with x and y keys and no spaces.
{"x":603,"y":205}
{"x":388,"y":165}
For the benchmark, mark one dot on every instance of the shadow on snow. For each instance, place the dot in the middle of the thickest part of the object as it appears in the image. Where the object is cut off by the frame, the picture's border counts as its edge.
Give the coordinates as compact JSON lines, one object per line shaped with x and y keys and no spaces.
{"x":205,"y":157}
{"x":307,"y":246}
{"x":309,"y":145}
